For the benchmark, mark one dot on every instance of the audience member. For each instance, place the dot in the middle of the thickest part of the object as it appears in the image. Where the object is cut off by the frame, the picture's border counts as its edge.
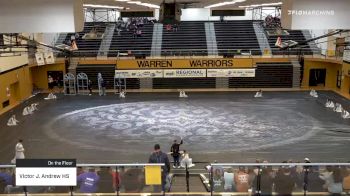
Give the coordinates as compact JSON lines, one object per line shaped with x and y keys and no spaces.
{"x":175,"y":152}
{"x":242,"y":180}
{"x":88,"y":181}
{"x":105,"y":184}
{"x":159,"y":157}
{"x":284,"y":182}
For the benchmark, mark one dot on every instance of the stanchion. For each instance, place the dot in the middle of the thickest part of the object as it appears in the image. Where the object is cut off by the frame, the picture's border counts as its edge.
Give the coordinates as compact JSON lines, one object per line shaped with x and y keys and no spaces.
{"x":306,"y":181}
{"x":25,"y":190}
{"x":71,"y":190}
{"x":211,"y":180}
{"x":258,"y":181}
{"x":117,"y":180}
{"x":187,"y":179}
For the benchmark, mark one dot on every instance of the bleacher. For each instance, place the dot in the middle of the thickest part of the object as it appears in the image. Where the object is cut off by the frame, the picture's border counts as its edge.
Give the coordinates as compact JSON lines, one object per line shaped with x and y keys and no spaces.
{"x":183,"y":83}
{"x":295,"y":35}
{"x":90,"y":46}
{"x":267,"y":75}
{"x":190,"y":36}
{"x":126,"y":42}
{"x":236,"y":37}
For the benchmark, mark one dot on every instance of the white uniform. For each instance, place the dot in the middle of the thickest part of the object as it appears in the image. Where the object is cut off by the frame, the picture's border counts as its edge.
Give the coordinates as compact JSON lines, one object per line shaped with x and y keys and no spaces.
{"x":19,"y":152}
{"x":258,"y":94}
{"x":183,"y":94}
{"x":345,"y":114}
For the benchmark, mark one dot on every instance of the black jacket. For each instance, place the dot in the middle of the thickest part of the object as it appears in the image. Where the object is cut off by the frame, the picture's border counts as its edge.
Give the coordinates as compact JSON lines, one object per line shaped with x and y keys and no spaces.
{"x":175,"y":149}
{"x":160,"y":157}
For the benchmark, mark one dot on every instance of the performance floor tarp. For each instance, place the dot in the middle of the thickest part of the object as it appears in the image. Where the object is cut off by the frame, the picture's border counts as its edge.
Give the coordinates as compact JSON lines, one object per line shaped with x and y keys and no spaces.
{"x":227,"y":127}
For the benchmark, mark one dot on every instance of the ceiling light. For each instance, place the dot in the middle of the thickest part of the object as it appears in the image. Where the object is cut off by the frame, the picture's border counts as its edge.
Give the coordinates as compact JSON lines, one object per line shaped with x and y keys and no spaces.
{"x":261,"y":5}
{"x":225,"y":3}
{"x":122,"y":0}
{"x":134,"y":2}
{"x":102,"y":6}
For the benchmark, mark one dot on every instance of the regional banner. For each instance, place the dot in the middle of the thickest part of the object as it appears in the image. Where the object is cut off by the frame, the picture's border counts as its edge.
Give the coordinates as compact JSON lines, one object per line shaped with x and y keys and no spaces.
{"x":139,"y":73}
{"x":229,"y":73}
{"x":185,"y":73}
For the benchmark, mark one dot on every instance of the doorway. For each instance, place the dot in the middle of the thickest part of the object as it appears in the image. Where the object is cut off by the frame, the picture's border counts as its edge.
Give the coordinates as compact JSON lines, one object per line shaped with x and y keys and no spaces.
{"x":317,"y":77}
{"x":55,"y":79}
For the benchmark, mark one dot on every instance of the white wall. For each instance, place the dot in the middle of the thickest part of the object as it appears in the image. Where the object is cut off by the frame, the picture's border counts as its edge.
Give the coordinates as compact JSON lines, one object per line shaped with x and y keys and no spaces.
{"x":102,"y":16}
{"x":203,"y":14}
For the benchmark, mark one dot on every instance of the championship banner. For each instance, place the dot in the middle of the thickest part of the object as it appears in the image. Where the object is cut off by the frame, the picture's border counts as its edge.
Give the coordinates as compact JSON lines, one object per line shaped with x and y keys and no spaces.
{"x":139,"y":73}
{"x":46,"y":172}
{"x":185,"y":73}
{"x":133,"y":64}
{"x":229,"y":73}
{"x":39,"y":58}
{"x":49,"y":58}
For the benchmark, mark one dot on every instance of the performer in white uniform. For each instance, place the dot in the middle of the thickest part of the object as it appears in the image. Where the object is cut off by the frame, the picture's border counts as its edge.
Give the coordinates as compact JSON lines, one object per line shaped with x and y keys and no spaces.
{"x":50,"y":96}
{"x":329,"y":104}
{"x":313,"y":93}
{"x":258,"y":94}
{"x":19,"y":154}
{"x":12,"y":121}
{"x":345,"y":114}
{"x":122,"y":94}
{"x":183,"y":94}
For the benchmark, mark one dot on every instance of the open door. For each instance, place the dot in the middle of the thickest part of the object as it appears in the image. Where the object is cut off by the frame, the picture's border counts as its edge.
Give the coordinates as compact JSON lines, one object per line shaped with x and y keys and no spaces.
{"x":317,"y":77}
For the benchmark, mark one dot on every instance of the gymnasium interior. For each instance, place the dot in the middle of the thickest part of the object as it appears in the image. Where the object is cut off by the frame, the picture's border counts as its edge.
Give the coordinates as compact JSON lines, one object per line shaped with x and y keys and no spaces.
{"x":243,"y":97}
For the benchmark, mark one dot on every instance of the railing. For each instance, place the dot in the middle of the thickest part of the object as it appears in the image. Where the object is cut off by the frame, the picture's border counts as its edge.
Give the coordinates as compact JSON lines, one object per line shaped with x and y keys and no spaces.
{"x":219,"y":178}
{"x":195,"y":53}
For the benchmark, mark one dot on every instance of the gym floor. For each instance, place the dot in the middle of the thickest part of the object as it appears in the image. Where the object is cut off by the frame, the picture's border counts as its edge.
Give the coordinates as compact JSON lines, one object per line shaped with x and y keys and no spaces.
{"x":222,"y":126}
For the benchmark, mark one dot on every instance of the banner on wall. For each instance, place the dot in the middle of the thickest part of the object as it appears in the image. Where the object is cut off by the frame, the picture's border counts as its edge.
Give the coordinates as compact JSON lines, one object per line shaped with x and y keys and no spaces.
{"x":185,"y":73}
{"x":217,"y":63}
{"x":139,"y":73}
{"x":39,"y":58}
{"x":49,"y":58}
{"x":346,"y":56}
{"x":217,"y":73}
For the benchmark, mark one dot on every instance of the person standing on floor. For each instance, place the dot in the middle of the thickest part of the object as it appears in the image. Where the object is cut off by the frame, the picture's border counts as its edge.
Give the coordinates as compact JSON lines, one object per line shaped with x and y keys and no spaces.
{"x":19,"y":154}
{"x":175,"y":152}
{"x":90,"y":87}
{"x":160,"y":157}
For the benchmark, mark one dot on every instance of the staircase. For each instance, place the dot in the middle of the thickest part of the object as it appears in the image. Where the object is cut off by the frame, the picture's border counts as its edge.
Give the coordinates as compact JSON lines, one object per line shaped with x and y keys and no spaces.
{"x":211,"y":39}
{"x":106,"y":42}
{"x":156,"y":49}
{"x":312,"y":44}
{"x":261,"y":36}
{"x":296,"y":73}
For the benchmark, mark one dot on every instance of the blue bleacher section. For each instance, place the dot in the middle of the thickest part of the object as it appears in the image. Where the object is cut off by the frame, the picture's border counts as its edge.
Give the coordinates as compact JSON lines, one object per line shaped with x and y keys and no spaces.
{"x":236,"y":37}
{"x":140,"y":46}
{"x":189,"y":40}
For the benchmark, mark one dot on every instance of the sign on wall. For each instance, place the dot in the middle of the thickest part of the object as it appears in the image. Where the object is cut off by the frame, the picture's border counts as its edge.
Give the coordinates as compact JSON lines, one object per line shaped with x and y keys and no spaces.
{"x":230,"y":73}
{"x":183,"y":63}
{"x":139,"y":73}
{"x":46,"y":172}
{"x":40,"y":58}
{"x":185,"y":73}
{"x":49,"y":58}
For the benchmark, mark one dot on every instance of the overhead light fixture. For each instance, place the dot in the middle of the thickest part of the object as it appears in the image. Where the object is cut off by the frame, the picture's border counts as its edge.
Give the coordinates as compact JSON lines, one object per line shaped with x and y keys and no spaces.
{"x":102,"y":6}
{"x":261,"y":5}
{"x":225,"y":3}
{"x":144,"y":4}
{"x":134,"y":2}
{"x":122,"y":0}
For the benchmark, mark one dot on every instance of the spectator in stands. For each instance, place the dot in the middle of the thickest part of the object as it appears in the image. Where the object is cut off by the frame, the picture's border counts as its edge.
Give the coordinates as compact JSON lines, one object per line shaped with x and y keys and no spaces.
{"x":229,"y":184}
{"x":314,"y":183}
{"x":6,"y":176}
{"x":160,"y":157}
{"x":175,"y":153}
{"x":242,"y":180}
{"x":88,"y":181}
{"x":132,"y":180}
{"x":116,"y":180}
{"x":266,"y":183}
{"x":175,"y":27}
{"x":139,"y":33}
{"x":334,"y":180}
{"x":168,"y":27}
{"x":105,"y":184}
{"x":2,"y":185}
{"x":134,"y":34}
{"x":284,"y":182}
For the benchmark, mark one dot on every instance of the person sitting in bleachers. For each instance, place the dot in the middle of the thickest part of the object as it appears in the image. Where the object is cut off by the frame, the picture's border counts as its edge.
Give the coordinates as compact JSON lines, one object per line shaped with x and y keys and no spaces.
{"x":50,"y":96}
{"x":313,"y":93}
{"x":329,"y":104}
{"x":183,"y":94}
{"x":338,"y":108}
{"x":258,"y":94}
{"x":168,"y":27}
{"x":345,"y":114}
{"x":12,"y":121}
{"x":139,"y":33}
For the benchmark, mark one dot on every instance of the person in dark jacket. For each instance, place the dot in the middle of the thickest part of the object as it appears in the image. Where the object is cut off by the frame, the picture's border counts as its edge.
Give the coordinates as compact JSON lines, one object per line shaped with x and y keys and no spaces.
{"x":284,"y":182}
{"x":175,"y":152}
{"x":160,"y":157}
{"x":266,"y":183}
{"x":314,"y":182}
{"x":105,"y":184}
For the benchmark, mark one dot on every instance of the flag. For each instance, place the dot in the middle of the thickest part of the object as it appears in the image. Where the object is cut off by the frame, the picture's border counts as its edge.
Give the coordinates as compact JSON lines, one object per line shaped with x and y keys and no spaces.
{"x":278,"y":42}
